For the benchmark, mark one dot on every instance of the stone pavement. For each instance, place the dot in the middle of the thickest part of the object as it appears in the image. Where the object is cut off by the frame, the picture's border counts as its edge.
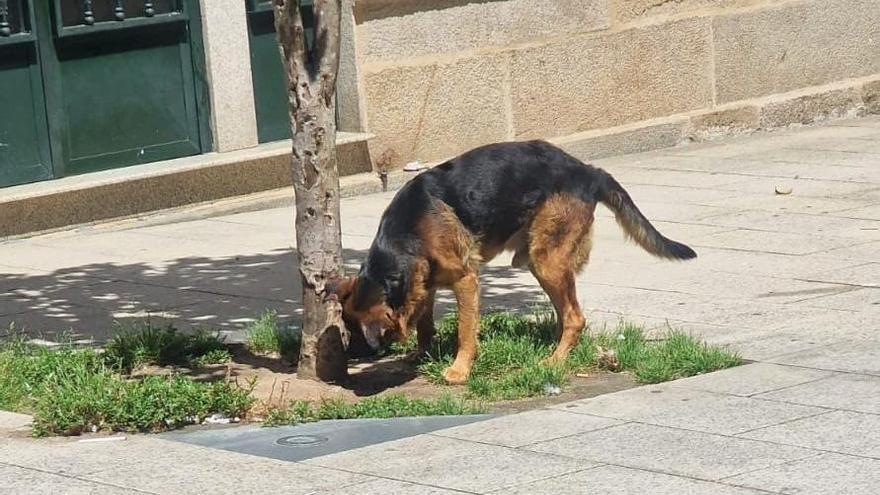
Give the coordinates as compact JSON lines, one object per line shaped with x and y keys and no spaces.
{"x":792,"y":281}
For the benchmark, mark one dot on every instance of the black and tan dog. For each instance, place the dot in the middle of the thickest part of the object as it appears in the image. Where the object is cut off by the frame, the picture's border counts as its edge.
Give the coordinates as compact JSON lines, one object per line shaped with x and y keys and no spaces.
{"x":530,"y":198}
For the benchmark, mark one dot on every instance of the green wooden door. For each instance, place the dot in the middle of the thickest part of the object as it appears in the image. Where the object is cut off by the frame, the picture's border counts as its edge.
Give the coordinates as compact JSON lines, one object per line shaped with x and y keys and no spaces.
{"x":114,"y":83}
{"x":270,"y":93}
{"x":24,"y":137}
{"x":124,"y":77}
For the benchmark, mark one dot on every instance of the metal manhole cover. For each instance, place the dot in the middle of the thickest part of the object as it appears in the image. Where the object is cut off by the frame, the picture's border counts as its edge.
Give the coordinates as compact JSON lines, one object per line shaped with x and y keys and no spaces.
{"x":301,"y":440}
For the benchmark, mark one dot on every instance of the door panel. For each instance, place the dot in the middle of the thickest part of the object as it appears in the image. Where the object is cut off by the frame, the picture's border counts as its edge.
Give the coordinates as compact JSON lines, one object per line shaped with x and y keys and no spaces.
{"x":270,"y":92}
{"x":95,"y":84}
{"x":127,"y":86}
{"x":24,"y":149}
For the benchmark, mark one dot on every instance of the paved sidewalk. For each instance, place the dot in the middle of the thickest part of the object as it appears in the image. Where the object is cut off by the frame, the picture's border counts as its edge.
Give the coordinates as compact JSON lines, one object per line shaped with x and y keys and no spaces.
{"x":792,"y":281}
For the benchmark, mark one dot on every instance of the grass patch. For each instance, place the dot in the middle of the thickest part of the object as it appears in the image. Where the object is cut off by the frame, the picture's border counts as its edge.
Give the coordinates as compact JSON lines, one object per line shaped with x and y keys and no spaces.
{"x":386,"y":406}
{"x":265,"y":337}
{"x":145,"y":344}
{"x":513,"y":348}
{"x":216,"y":356}
{"x":70,"y":391}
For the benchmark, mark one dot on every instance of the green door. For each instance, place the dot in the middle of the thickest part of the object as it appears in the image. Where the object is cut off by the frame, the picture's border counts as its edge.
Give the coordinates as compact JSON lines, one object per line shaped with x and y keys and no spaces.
{"x":24,"y":137}
{"x":124,"y":77}
{"x":117,"y":83}
{"x":270,"y":93}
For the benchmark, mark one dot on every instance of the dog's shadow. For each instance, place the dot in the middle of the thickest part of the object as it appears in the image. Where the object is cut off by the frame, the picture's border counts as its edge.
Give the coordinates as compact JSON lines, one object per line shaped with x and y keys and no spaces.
{"x":371,"y":376}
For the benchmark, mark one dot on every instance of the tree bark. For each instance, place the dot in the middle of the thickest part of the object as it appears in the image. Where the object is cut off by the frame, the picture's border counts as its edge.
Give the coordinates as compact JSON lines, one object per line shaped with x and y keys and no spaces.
{"x":311,"y":91}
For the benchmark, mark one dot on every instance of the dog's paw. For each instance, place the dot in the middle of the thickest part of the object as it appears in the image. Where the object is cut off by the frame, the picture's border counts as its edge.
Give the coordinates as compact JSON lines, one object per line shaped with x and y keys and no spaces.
{"x":454,"y":376}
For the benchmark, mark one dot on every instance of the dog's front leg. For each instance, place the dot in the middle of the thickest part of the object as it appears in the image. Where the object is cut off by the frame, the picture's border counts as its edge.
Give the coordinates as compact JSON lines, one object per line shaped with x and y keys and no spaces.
{"x":467,"y":294}
{"x":425,"y":327}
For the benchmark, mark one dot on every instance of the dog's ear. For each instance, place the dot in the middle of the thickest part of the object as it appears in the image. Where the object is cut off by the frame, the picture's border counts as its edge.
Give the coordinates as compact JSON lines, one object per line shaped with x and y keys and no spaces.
{"x":339,"y":289}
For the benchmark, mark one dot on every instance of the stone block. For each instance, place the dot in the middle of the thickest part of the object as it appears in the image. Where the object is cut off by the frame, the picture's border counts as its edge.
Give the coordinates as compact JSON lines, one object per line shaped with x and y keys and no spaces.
{"x":384,"y":486}
{"x":408,"y":28}
{"x":529,"y":427}
{"x":228,"y":66}
{"x":751,"y":379}
{"x":820,"y":475}
{"x":812,"y":108}
{"x":185,"y":469}
{"x":13,"y":421}
{"x":592,"y":146}
{"x":436,"y":111}
{"x":353,"y":158}
{"x":350,"y":114}
{"x":851,"y":392}
{"x":689,"y":409}
{"x":871,"y":97}
{"x":865,"y":275}
{"x":623,"y":11}
{"x":857,"y":299}
{"x":616,"y":480}
{"x":724,"y":122}
{"x":795,"y":45}
{"x":20,"y":480}
{"x":843,"y":432}
{"x":779,"y":243}
{"x":585,"y":83}
{"x":853,"y":357}
{"x":453,"y":464}
{"x":859,"y":252}
{"x":672,"y":451}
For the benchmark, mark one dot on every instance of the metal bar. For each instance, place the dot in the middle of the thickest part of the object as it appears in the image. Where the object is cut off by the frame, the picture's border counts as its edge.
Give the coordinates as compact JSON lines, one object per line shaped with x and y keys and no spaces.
{"x":5,"y":28}
{"x":132,"y":22}
{"x":88,"y":15}
{"x":17,"y":39}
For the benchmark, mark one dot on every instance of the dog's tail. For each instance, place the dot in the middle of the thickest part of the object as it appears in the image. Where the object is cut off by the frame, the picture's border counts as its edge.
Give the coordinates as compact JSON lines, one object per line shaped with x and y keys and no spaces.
{"x":634,"y":223}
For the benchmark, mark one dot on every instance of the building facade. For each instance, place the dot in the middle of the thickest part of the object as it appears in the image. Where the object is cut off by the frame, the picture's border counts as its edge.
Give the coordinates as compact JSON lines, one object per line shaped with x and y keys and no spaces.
{"x":172,"y":86}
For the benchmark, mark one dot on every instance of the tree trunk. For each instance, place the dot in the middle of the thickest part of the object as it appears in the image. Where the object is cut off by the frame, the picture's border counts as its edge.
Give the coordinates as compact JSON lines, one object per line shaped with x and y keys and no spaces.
{"x":311,"y":90}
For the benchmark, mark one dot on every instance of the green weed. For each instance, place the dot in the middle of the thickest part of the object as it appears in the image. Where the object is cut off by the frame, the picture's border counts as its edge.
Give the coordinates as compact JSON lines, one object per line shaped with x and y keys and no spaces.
{"x":386,"y":406}
{"x":145,"y":344}
{"x":216,"y":356}
{"x":70,"y":391}
{"x":265,"y":337}
{"x":513,"y":349}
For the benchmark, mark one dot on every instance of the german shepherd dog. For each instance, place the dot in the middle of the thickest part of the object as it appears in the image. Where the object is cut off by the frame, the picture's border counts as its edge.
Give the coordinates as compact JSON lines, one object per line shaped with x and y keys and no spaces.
{"x":531,"y":198}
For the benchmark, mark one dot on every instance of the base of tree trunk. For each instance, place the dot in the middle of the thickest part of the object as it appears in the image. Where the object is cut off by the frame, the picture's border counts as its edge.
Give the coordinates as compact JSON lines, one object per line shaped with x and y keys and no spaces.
{"x":323,"y":356}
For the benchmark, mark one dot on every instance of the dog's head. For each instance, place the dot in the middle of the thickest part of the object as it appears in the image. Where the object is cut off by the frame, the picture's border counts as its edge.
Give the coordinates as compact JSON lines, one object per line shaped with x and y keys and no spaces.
{"x":365,"y":310}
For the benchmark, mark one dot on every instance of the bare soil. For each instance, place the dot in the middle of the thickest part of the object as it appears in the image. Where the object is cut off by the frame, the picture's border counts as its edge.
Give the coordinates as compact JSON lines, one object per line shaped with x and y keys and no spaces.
{"x":275,"y":382}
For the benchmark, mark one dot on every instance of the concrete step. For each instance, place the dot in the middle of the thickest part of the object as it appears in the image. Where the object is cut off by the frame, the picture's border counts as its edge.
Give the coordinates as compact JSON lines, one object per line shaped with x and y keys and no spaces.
{"x":124,"y":192}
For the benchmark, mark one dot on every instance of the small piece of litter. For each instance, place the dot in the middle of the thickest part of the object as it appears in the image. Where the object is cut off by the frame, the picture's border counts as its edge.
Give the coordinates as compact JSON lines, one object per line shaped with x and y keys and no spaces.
{"x":550,"y":389}
{"x":115,"y":438}
{"x":413,"y":167}
{"x":606,"y":359}
{"x":582,"y":375}
{"x":783,"y":190}
{"x":217,"y":419}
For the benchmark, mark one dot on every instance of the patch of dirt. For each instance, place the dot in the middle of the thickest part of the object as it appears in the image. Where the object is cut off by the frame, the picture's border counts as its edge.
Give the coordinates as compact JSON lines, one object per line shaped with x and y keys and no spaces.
{"x":275,"y":382}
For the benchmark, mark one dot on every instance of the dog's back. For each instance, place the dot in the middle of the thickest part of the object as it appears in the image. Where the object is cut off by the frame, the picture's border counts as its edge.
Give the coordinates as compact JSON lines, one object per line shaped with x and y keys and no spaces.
{"x":495,"y":189}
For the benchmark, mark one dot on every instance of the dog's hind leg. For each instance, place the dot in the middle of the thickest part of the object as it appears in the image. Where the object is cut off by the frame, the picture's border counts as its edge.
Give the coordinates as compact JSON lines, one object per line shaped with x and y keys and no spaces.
{"x":559,"y":285}
{"x":559,"y":245}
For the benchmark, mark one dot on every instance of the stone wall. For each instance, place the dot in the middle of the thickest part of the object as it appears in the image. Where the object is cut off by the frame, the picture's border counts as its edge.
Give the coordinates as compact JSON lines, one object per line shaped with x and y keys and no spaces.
{"x":438,"y":77}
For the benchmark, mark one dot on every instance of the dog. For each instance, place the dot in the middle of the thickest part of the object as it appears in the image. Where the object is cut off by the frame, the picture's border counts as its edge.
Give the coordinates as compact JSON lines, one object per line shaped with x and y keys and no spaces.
{"x":531,"y":198}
